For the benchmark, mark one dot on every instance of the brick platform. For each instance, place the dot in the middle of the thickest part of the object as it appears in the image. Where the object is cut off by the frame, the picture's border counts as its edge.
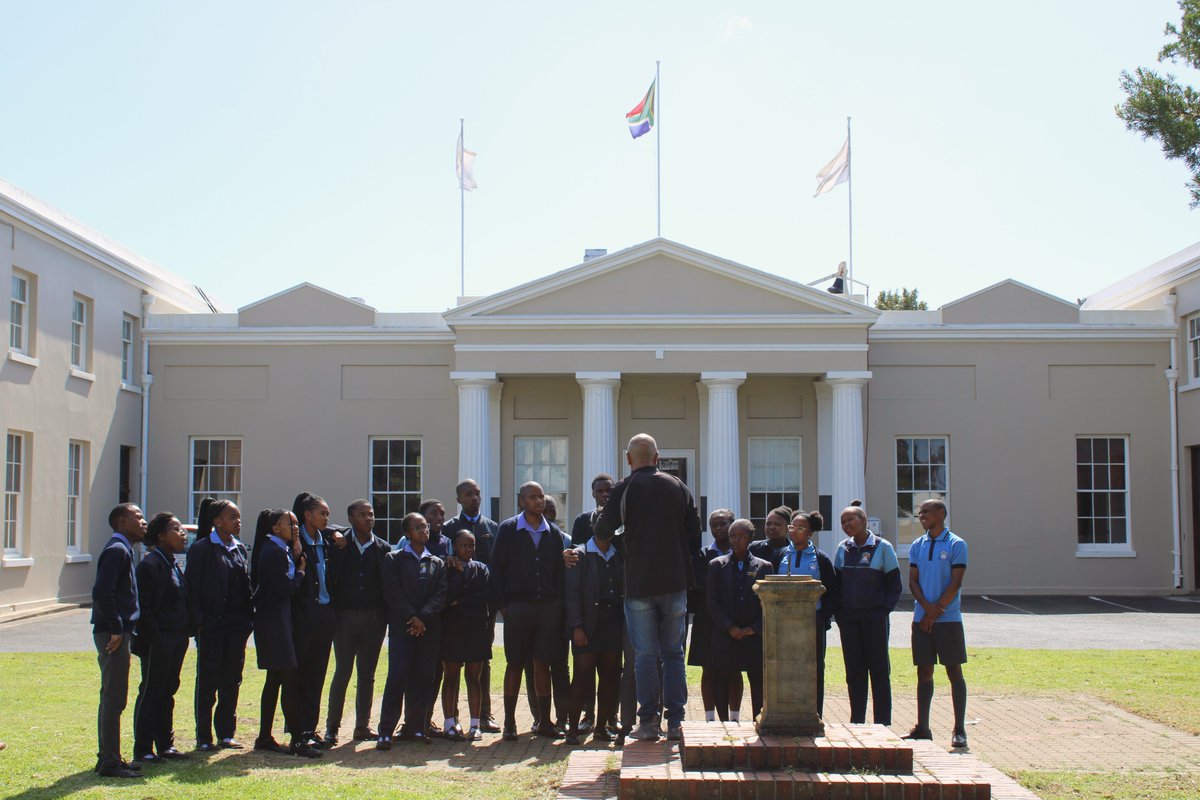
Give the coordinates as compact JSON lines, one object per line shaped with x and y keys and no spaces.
{"x":843,"y":748}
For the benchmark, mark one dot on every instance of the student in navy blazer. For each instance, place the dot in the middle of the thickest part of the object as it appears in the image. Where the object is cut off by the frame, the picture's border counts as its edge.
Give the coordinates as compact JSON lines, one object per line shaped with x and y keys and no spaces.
{"x":114,"y":612}
{"x":278,"y":575}
{"x":162,"y":639}
{"x":802,"y":557}
{"x":466,"y":636}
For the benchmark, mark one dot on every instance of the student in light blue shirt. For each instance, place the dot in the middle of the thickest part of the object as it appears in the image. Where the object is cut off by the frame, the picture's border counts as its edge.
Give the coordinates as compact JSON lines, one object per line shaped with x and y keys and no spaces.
{"x":801,"y":557}
{"x":937,"y":562}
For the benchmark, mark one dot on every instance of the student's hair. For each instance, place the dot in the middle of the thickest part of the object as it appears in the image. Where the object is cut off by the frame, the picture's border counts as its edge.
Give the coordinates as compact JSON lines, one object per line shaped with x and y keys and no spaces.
{"x":935,"y":503}
{"x":722,"y":512}
{"x":305,"y":501}
{"x":459,"y":534}
{"x":814,"y":519}
{"x":782,"y":511}
{"x":742,"y":525}
{"x":264,"y":527}
{"x":119,"y":511}
{"x":410,"y":521}
{"x":858,"y":511}
{"x":360,"y":503}
{"x":423,"y":509}
{"x":210,"y":509}
{"x":156,"y":527}
{"x":462,"y":486}
{"x":856,"y":503}
{"x":603,"y":476}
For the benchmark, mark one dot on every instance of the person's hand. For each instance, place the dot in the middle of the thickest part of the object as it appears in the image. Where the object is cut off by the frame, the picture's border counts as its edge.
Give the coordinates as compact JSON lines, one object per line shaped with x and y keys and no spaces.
{"x":455,"y":563}
{"x":339,"y":540}
{"x":114,"y":642}
{"x":415,"y":626}
{"x":747,"y":632}
{"x":302,"y":563}
{"x":580,"y":638}
{"x":927,"y":624}
{"x":570,"y":558}
{"x":736,"y":633}
{"x":932,"y":611}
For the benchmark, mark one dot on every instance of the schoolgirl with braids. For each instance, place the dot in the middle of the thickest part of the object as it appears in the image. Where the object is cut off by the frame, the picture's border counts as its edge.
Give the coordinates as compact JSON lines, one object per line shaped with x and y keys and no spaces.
{"x":802,"y":557}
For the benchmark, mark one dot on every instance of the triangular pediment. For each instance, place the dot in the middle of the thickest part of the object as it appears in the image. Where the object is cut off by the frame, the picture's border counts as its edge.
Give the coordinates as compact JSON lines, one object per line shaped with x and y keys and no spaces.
{"x":305,"y":305}
{"x":660,"y":279}
{"x":1009,"y":302}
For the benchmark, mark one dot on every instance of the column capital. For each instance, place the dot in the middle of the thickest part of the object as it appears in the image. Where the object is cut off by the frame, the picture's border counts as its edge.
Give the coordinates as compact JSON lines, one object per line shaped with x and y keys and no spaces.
{"x":847,"y":378}
{"x":473,"y":378}
{"x":591,"y":378}
{"x":711,"y":379}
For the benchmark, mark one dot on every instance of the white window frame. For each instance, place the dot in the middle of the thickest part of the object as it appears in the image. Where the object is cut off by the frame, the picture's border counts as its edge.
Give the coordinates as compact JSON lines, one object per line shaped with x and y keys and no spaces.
{"x":81,"y":340}
{"x":412,"y":498}
{"x":777,"y":490}
{"x":196,"y":493}
{"x":16,"y":471}
{"x":76,"y":494}
{"x":1191,"y":329}
{"x":1105,"y":549}
{"x":918,"y":495}
{"x":128,"y":354}
{"x":19,"y":313}
{"x":541,"y":473}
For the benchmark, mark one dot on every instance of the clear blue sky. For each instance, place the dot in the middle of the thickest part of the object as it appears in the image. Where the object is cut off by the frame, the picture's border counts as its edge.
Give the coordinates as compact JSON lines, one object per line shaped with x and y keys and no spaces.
{"x":250,"y":146}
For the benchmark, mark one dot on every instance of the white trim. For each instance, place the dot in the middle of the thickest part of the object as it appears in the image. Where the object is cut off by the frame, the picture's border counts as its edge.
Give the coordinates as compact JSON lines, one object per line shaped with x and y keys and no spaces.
{"x":623,"y":321}
{"x":658,"y":348}
{"x":902,"y":550}
{"x":9,"y":562}
{"x":371,"y":466}
{"x":21,"y":358}
{"x":1114,"y":549}
{"x":1009,"y":282}
{"x":304,"y":285}
{"x":78,"y":558}
{"x":1155,"y":278}
{"x":76,"y":372}
{"x":361,"y":334}
{"x":191,"y":470}
{"x":1104,"y":553}
{"x":125,"y":387}
{"x":1020,"y":332}
{"x":1189,"y":387}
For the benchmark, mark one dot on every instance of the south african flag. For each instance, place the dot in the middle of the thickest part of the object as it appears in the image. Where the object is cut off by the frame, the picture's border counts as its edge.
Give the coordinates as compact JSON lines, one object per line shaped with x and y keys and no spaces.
{"x":641,"y":118}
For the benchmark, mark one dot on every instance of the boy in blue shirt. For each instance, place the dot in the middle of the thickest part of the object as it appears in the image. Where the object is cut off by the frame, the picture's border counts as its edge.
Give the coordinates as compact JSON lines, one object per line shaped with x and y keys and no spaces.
{"x":937,"y":563}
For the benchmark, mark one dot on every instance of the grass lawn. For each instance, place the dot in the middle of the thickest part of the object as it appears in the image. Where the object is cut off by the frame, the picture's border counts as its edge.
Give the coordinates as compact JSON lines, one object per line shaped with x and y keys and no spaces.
{"x":48,"y":713}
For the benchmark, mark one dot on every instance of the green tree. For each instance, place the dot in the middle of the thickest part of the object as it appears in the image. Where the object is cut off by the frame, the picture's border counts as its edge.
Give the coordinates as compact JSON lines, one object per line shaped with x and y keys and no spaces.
{"x":1160,"y":107}
{"x":900,"y":300}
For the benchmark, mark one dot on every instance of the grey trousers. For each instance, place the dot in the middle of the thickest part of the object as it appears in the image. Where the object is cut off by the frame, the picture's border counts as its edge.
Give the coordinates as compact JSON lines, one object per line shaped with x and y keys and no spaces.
{"x":358,"y":640}
{"x":114,"y":693}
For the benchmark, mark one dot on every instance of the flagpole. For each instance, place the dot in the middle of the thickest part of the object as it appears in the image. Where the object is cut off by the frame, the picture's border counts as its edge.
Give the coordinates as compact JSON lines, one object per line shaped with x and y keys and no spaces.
{"x":658,"y":143}
{"x":462,"y":217}
{"x":850,"y":213}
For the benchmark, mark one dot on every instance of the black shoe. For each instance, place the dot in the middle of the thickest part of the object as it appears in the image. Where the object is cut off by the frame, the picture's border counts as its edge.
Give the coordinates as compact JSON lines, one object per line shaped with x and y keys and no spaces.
{"x":305,"y":750}
{"x":434,"y":732}
{"x":365,"y":735}
{"x":232,"y":744}
{"x":455,"y":734}
{"x":118,"y":771}
{"x":147,"y":758}
{"x":918,"y":733}
{"x":958,"y":741}
{"x":421,"y":737}
{"x":331,"y":740}
{"x":314,"y":740}
{"x":132,"y":766}
{"x":207,"y":747}
{"x":510,"y":733}
{"x":172,"y":754}
{"x":548,"y":731}
{"x":489,"y":726}
{"x":383,"y":743}
{"x":269,"y":745}
{"x":572,"y":739}
{"x":585,"y":726}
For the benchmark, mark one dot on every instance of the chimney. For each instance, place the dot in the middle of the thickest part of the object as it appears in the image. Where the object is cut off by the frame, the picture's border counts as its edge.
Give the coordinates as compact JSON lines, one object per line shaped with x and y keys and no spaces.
{"x":594,"y":252}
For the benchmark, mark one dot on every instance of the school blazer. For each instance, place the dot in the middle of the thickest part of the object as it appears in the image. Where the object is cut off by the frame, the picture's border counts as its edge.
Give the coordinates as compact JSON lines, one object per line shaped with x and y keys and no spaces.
{"x":162,"y":596}
{"x":308,"y":609}
{"x":722,"y":604}
{"x":113,"y":599}
{"x":208,"y":577}
{"x":583,"y":587}
{"x":407,"y":595}
{"x":273,"y":608}
{"x":467,"y":591}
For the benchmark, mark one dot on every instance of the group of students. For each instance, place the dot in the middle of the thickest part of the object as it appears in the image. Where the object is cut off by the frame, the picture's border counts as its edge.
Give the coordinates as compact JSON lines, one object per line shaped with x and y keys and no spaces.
{"x":307,"y":587}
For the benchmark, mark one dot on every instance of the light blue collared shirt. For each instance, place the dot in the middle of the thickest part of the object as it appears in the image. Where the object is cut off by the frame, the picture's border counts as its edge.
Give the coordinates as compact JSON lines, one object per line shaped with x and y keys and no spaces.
{"x":319,"y":547}
{"x":592,"y":547}
{"x":803,"y":562}
{"x":523,"y":525}
{"x":285,"y":547}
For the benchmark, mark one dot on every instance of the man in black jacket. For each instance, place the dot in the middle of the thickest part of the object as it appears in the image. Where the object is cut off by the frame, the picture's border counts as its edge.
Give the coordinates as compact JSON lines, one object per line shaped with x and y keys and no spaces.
{"x":361,"y":621}
{"x":114,"y":612}
{"x":661,"y":531}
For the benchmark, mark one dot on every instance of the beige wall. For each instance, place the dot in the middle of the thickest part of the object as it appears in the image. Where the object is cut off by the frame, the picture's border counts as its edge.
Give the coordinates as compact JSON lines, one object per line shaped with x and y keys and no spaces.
{"x":1188,"y":305}
{"x":1012,"y":412}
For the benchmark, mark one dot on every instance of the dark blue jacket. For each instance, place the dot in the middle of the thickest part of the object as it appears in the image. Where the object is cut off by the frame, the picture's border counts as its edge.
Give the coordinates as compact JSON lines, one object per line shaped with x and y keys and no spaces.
{"x":764,"y":549}
{"x":219,"y":595}
{"x":114,"y":599}
{"x":731,"y":597}
{"x":588,"y":583}
{"x":308,"y":610}
{"x":868,"y":579}
{"x":273,"y":599}
{"x":414,"y":587}
{"x":467,"y":592}
{"x":357,"y":581}
{"x":522,"y":572}
{"x":484,"y":530}
{"x":162,"y":595}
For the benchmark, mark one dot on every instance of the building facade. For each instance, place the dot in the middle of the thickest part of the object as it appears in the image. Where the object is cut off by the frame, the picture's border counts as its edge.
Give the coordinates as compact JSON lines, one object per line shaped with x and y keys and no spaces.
{"x":1050,"y":429}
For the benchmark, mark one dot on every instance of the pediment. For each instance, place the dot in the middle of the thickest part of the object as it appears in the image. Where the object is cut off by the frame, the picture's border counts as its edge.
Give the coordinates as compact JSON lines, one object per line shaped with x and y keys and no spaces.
{"x":306,"y":305}
{"x":660,"y":279}
{"x":1009,"y":302}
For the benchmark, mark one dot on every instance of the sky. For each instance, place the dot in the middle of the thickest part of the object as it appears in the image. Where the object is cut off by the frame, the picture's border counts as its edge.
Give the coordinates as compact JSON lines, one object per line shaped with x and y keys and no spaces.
{"x":251,"y":146}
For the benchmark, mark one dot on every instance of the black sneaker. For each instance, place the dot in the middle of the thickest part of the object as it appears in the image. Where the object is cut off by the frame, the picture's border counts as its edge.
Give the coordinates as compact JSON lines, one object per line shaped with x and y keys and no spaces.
{"x":305,"y":749}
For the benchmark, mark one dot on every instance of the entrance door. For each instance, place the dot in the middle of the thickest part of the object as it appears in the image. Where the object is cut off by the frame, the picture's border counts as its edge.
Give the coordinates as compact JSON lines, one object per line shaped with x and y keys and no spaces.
{"x":681,"y":464}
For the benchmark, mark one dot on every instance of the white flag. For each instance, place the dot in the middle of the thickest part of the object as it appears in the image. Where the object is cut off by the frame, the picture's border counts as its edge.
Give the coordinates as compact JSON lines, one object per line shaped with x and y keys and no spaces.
{"x":464,"y":166}
{"x":835,"y":172}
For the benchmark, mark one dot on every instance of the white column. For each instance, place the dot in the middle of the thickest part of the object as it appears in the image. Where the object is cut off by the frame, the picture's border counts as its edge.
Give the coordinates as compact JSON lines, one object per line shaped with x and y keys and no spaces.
{"x":600,"y":445}
{"x":474,"y":429}
{"x":494,"y":396}
{"x":849,"y":440}
{"x":723,"y":459}
{"x":826,"y":540}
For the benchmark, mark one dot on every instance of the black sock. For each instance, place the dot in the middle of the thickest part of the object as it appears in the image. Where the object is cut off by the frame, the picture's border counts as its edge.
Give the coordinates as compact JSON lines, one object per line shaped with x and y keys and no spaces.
{"x":958,"y":691}
{"x":510,"y":712}
{"x":924,"y":701}
{"x":544,"y":703}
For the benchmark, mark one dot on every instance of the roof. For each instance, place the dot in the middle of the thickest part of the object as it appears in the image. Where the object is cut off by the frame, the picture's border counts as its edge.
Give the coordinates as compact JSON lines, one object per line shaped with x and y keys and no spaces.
{"x":1160,"y":276}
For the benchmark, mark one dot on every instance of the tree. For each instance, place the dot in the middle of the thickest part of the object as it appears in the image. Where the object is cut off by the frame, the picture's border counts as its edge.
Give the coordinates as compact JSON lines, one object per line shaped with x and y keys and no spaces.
{"x":1161,"y":107}
{"x":900,"y":300}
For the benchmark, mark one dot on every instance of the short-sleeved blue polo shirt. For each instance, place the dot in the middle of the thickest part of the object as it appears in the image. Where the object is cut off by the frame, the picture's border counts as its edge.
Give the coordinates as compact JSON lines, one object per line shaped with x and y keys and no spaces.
{"x":934,"y":559}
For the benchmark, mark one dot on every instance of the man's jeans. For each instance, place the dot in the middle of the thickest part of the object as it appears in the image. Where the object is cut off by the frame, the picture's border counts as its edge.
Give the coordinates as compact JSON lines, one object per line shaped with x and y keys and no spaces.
{"x":657,"y":628}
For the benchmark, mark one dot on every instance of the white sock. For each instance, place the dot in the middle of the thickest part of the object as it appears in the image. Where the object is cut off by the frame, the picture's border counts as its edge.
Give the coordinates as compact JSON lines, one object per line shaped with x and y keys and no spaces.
{"x":474,"y":722}
{"x":735,"y":715}
{"x":710,"y":715}
{"x":450,"y":723}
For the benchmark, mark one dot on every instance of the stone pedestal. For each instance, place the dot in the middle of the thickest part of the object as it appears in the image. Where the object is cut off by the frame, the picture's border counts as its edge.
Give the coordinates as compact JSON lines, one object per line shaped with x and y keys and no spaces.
{"x":789,"y":604}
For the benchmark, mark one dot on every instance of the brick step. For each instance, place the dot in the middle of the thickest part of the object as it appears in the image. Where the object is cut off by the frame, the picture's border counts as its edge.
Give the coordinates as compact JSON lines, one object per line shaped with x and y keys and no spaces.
{"x":843,"y":748}
{"x":797,"y":785}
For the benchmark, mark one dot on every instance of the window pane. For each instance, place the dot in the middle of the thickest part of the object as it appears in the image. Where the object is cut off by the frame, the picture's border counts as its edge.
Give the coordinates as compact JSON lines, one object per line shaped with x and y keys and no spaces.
{"x":921,"y":451}
{"x":1116,"y":451}
{"x":937,"y":451}
{"x":379,"y":449}
{"x":1083,"y":476}
{"x":1083,"y":451}
{"x":904,"y":479}
{"x":902,"y":451}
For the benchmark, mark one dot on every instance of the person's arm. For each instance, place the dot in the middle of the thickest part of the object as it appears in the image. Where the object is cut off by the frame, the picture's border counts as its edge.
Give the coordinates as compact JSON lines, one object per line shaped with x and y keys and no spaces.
{"x":150,"y":599}
{"x":757,"y":627}
{"x":714,"y":598}
{"x":104,"y":594}
{"x":832,"y":596}
{"x":274,"y":579}
{"x":195,"y":573}
{"x":436,"y":601}
{"x":397,"y":604}
{"x":473,"y":592}
{"x":573,"y":600}
{"x":891,"y":576}
{"x":497,"y":566}
{"x":607,"y":522}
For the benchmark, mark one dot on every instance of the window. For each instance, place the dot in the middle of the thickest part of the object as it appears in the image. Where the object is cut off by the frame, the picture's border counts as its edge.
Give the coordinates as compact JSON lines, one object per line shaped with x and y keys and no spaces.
{"x":1102,"y":492}
{"x":922,"y":473}
{"x":14,"y":492}
{"x":75,"y":483}
{"x":216,"y":472}
{"x":544,"y":459}
{"x":128,"y":326}
{"x":1193,"y":348}
{"x":395,"y":483}
{"x":774,"y":466}
{"x":80,"y":322}
{"x":18,"y":316}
